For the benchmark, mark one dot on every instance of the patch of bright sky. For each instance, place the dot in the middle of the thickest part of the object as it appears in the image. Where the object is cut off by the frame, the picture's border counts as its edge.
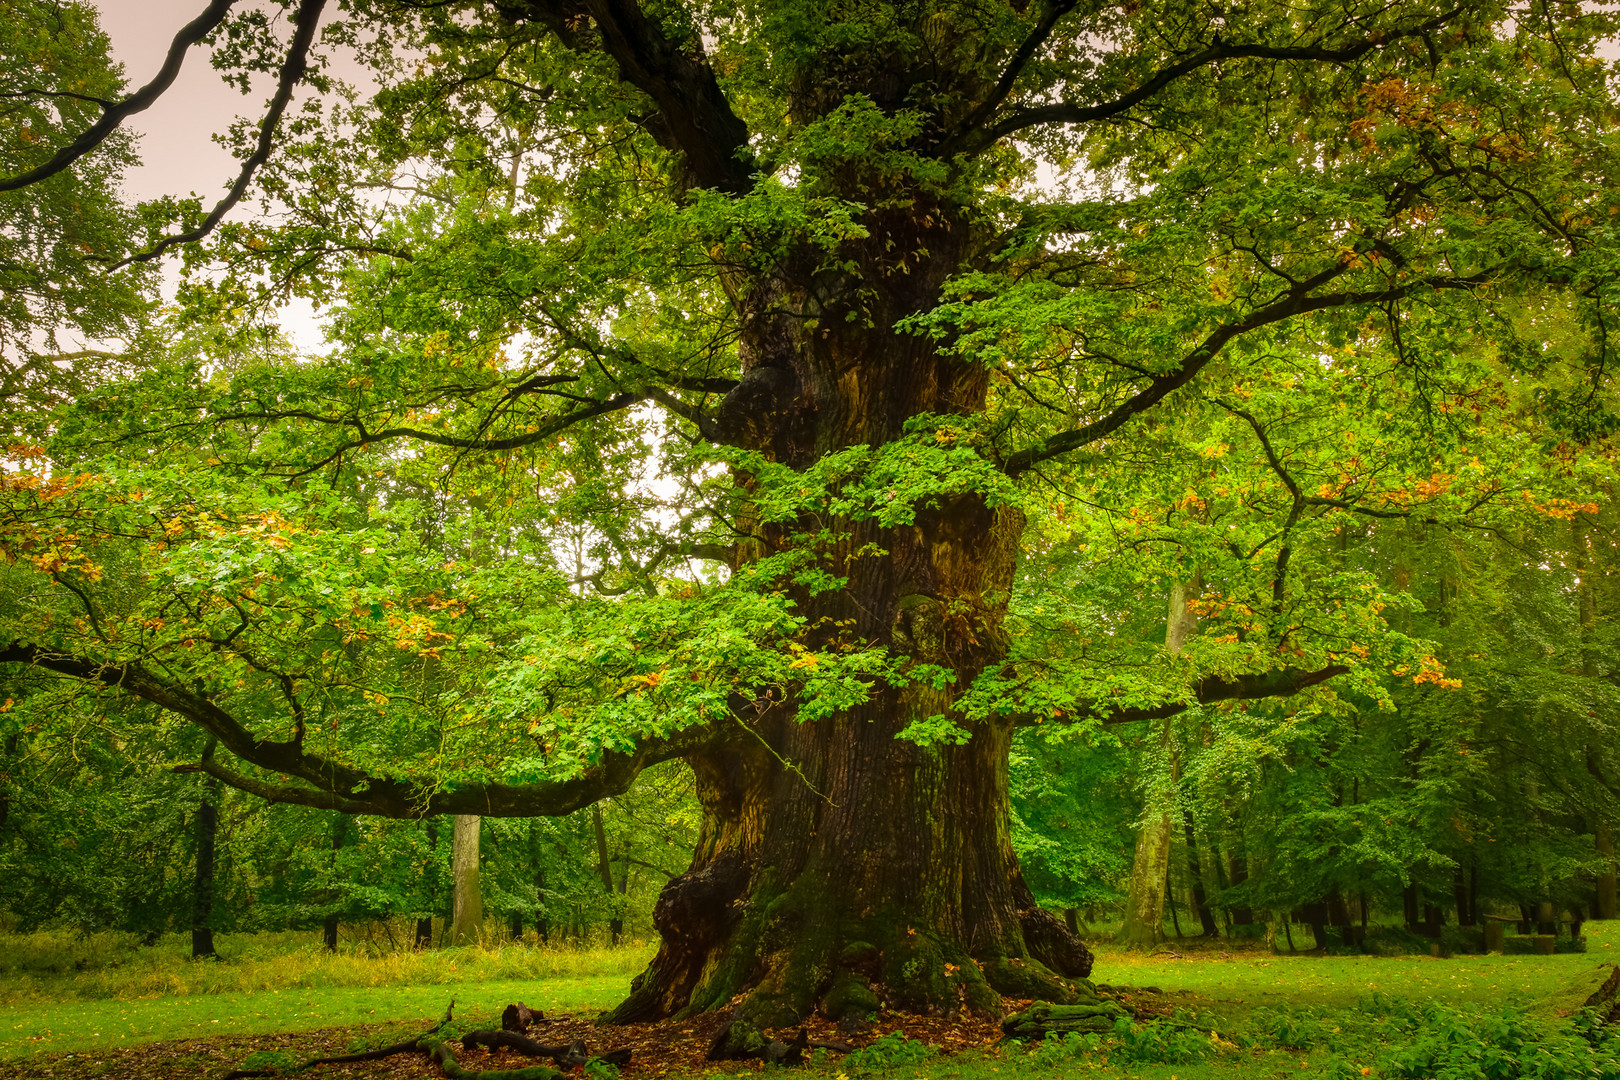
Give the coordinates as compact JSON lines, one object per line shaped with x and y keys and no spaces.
{"x":179,"y":154}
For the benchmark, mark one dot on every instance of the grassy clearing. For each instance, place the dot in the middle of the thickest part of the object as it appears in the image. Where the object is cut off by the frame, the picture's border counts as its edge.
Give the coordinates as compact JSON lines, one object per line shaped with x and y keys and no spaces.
{"x":46,"y":967}
{"x":84,"y":1027}
{"x":1238,"y":982}
{"x":60,"y":992}
{"x":1277,"y":1016}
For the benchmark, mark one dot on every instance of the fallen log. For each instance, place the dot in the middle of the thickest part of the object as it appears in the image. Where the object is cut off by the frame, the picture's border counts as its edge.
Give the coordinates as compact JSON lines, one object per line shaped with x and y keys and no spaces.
{"x":438,"y":1050}
{"x":442,"y":1056}
{"x":518,"y":1017}
{"x":565,"y":1055}
{"x":408,"y":1046}
{"x":1044,"y":1018}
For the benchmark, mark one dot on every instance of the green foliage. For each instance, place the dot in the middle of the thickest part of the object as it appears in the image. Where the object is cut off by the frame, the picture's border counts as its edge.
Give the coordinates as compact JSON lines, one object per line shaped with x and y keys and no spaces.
{"x":1170,"y":1042}
{"x":889,"y":1052}
{"x":58,"y":236}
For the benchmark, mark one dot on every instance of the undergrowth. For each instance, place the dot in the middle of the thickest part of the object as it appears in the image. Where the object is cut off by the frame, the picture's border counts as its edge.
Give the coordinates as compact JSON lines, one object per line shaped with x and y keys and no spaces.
{"x":1387,"y":1038}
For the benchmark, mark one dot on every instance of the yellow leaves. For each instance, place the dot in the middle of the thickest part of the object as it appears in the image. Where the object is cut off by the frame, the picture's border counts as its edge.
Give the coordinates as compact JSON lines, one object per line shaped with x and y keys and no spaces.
{"x":1560,"y":509}
{"x":1437,"y":484}
{"x":414,"y":633}
{"x":1431,"y":670}
{"x":808,"y":662}
{"x":1218,"y":450}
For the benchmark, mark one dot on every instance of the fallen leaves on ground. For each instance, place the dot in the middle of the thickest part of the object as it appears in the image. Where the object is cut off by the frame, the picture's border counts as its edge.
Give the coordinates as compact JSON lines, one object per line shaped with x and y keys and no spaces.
{"x":668,"y":1047}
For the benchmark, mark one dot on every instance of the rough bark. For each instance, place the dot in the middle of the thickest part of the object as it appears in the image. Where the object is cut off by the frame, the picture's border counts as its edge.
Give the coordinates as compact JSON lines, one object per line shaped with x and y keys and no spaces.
{"x":469,"y":896}
{"x":838,"y":866}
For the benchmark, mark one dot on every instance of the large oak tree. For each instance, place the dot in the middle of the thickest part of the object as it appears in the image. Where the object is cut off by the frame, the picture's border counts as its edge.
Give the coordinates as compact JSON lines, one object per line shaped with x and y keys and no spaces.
{"x":701,"y":372}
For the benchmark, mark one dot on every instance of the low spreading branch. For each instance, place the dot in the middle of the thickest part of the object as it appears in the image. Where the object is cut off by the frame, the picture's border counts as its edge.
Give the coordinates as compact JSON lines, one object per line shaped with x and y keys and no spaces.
{"x":313,"y":780}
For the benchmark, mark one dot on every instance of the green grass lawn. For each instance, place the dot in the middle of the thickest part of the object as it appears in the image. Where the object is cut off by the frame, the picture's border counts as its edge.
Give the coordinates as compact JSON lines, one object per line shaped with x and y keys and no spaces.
{"x":1334,"y":1006}
{"x":1537,"y":983}
{"x":87,"y":1026}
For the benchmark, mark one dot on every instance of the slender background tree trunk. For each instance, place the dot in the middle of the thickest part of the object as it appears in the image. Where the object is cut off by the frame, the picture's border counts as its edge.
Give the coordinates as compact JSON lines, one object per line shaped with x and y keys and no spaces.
{"x":202,"y":893}
{"x":469,"y":896}
{"x":604,"y":870}
{"x":1144,"y":905}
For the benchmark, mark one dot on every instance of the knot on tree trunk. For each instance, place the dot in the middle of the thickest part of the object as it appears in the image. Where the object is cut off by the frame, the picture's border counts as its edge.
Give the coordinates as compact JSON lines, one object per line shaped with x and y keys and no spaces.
{"x":700,"y":906}
{"x":1050,"y":942}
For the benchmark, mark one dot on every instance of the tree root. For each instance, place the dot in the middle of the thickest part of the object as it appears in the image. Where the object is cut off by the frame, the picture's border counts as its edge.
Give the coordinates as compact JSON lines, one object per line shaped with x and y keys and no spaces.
{"x":515,"y":1022}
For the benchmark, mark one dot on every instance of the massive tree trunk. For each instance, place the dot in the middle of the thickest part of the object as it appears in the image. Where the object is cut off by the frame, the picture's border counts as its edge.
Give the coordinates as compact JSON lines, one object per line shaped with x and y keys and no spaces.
{"x":856,"y":869}
{"x":839,"y":866}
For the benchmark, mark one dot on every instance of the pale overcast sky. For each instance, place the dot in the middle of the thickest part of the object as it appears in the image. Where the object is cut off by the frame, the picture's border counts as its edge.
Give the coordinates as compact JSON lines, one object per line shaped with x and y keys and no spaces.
{"x":177,"y":150}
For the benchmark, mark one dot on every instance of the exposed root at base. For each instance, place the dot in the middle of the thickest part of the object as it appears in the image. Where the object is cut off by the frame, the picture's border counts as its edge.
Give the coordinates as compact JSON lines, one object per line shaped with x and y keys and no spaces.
{"x":1605,"y":1000}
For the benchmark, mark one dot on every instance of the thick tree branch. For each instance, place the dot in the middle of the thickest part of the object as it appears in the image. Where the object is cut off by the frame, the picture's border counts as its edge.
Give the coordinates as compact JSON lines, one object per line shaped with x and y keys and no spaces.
{"x":292,"y":72}
{"x":455,"y":442}
{"x":1009,"y":77}
{"x":334,"y":786}
{"x":972,"y":142}
{"x":1285,"y":682}
{"x":697,"y":120}
{"x":1295,"y":301}
{"x":116,"y":113}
